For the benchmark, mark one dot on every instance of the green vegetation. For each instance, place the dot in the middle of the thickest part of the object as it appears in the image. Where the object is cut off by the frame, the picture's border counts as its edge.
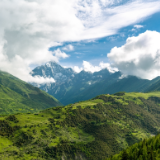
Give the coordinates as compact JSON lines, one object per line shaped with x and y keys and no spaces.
{"x":91,"y":130}
{"x":148,"y":149}
{"x":17,"y":96}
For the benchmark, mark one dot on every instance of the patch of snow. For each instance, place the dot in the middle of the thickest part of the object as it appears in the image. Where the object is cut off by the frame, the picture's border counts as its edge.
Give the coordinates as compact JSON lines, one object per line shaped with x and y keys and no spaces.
{"x":43,"y":73}
{"x":48,"y":64}
{"x":123,"y":76}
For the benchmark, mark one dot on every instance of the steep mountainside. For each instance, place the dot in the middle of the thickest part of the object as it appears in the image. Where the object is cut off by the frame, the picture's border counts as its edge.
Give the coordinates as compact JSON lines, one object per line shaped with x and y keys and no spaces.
{"x":155,"y":86}
{"x":111,"y":85}
{"x":18,"y":96}
{"x":54,"y":70}
{"x":67,"y":84}
{"x":71,"y":87}
{"x":88,"y":130}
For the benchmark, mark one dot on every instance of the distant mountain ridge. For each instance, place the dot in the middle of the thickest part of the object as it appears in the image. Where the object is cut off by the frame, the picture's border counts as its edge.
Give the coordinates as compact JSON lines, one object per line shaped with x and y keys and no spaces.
{"x":68,"y":82}
{"x":71,"y":87}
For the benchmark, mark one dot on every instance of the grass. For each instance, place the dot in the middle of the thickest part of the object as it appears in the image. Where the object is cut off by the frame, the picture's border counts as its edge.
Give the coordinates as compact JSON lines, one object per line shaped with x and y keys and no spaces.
{"x":4,"y":143}
{"x":18,"y":96}
{"x":97,"y":128}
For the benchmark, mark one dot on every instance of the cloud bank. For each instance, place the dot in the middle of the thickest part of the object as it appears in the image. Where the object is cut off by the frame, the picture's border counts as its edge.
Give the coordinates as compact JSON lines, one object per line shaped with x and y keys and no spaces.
{"x":88,"y":67}
{"x":29,"y":28}
{"x":139,"y":56}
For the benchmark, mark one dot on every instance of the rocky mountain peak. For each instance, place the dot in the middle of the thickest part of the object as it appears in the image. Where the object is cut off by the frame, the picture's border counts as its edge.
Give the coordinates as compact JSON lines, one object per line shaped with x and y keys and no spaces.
{"x":54,"y":70}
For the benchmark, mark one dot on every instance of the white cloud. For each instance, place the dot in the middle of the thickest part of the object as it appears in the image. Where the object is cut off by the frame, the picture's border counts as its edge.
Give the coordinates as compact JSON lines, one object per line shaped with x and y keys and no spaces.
{"x":108,"y":66}
{"x":138,"y":26}
{"x":19,"y":68}
{"x":59,"y":54}
{"x":123,"y":76}
{"x":68,"y":48}
{"x":40,"y":80}
{"x":29,"y":28}
{"x":77,"y":69}
{"x":88,"y":67}
{"x":140,"y":56}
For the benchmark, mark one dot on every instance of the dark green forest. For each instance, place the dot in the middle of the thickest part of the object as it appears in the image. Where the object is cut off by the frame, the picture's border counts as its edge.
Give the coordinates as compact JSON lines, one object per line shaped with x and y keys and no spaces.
{"x":148,"y":149}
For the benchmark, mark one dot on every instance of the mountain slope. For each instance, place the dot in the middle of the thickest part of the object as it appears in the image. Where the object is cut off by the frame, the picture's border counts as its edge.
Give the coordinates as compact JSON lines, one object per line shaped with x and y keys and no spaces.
{"x":68,"y":83}
{"x":18,"y":96}
{"x":88,"y":130}
{"x":54,"y":70}
{"x":148,"y":149}
{"x":71,"y":87}
{"x":155,"y":86}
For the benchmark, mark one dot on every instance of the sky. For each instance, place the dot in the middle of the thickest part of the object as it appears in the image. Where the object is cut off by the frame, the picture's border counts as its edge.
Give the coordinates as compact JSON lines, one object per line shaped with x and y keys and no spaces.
{"x":85,"y":35}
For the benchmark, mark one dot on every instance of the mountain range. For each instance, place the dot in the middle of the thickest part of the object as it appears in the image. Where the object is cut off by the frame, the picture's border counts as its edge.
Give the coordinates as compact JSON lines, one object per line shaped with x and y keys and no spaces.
{"x":71,"y":87}
{"x":34,"y":125}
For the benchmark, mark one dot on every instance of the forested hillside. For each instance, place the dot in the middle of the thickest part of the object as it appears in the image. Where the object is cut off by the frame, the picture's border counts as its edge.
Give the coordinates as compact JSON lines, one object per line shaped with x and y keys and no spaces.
{"x":148,"y":149}
{"x":91,"y":130}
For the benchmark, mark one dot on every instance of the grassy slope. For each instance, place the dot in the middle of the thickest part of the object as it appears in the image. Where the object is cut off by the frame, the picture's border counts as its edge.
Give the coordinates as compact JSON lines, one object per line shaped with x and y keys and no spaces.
{"x":18,"y":96}
{"x":93,"y":129}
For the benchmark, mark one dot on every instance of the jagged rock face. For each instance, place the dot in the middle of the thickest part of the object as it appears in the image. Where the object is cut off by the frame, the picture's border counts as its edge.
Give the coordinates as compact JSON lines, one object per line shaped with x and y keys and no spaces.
{"x":68,"y":83}
{"x":71,"y":87}
{"x":54,"y":70}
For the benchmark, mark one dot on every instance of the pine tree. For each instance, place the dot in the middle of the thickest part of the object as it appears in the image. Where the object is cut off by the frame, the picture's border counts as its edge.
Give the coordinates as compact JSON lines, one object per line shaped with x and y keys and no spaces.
{"x":124,"y":155}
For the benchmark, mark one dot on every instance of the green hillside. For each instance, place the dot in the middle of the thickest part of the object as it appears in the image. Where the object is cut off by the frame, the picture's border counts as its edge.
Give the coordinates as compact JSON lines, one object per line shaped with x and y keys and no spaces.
{"x":155,"y":86}
{"x":18,"y":96}
{"x":148,"y":149}
{"x":88,"y":130}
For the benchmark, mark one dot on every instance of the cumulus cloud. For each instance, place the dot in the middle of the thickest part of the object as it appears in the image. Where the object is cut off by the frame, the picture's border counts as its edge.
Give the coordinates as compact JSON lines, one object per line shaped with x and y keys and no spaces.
{"x":59,"y":54}
{"x":29,"y":28}
{"x":88,"y":67}
{"x":77,"y":69}
{"x":19,"y":68}
{"x":139,"y":56}
{"x":68,"y":48}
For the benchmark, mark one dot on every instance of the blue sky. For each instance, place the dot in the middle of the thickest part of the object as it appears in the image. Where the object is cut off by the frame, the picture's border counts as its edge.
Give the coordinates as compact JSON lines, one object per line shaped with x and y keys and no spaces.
{"x":96,"y":50}
{"x":83,"y":34}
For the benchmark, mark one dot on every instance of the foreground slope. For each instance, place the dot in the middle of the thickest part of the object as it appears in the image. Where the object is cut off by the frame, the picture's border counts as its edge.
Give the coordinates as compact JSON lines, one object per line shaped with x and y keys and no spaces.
{"x":148,"y":149}
{"x":18,"y":96}
{"x":88,"y":130}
